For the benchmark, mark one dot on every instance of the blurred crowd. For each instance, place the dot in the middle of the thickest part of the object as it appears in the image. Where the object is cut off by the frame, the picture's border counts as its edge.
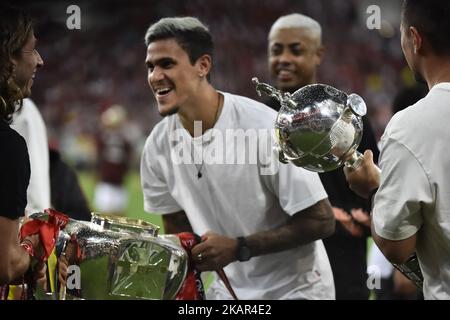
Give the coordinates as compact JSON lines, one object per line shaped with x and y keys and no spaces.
{"x":102,"y":64}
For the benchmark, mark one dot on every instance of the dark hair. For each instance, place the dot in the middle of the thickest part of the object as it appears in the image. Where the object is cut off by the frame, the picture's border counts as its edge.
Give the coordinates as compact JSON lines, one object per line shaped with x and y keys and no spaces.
{"x":192,"y":35}
{"x":15,"y":28}
{"x":408,"y":96}
{"x":432,"y":20}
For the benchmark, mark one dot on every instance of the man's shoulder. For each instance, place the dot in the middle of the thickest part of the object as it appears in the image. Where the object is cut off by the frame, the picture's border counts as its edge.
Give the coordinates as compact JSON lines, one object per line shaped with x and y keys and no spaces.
{"x":246,"y":102}
{"x":10,"y":138}
{"x":252,"y":110}
{"x":13,"y":143}
{"x":407,"y":121}
{"x":160,"y":133}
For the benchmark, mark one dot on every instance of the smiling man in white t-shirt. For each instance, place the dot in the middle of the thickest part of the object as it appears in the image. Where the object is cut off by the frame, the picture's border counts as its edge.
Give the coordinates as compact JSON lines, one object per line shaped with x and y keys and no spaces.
{"x":260,"y":220}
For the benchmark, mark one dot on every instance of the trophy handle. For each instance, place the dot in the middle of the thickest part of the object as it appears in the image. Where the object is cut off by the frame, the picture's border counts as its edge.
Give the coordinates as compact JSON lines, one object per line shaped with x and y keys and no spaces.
{"x":283,"y":98}
{"x":354,"y":161}
{"x":267,"y":89}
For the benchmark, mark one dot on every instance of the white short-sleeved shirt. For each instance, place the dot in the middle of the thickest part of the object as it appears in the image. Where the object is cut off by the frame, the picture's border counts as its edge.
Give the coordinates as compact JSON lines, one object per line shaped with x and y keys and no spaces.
{"x":414,"y":193}
{"x":238,"y":199}
{"x":29,"y":124}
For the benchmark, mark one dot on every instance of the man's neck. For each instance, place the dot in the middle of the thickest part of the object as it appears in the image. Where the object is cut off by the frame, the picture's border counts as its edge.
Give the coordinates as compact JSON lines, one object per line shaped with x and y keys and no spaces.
{"x":205,"y":108}
{"x":437,"y":70}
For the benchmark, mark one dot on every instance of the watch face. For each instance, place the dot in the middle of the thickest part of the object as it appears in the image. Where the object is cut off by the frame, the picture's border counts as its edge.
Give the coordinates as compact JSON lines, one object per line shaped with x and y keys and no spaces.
{"x":244,"y":253}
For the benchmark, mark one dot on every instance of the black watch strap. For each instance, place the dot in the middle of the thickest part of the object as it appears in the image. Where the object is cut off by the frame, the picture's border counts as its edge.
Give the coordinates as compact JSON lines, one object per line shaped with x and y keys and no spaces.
{"x":243,"y":251}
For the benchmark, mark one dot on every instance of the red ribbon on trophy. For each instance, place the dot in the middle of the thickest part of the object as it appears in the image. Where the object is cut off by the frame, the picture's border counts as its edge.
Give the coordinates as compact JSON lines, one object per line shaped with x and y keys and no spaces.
{"x":192,"y":287}
{"x":48,"y":231}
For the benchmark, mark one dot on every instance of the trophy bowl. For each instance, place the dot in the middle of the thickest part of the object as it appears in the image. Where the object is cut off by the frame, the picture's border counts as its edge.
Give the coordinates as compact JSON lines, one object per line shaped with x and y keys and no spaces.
{"x":318,"y":127}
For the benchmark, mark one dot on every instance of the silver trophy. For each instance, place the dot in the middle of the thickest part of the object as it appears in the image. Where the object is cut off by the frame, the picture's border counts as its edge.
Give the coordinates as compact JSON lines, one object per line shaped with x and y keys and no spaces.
{"x":318,"y":127}
{"x":117,"y":258}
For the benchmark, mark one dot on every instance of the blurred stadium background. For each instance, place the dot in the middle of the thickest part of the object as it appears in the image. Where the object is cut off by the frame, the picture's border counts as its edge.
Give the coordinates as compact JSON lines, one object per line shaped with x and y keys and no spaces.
{"x":102,"y":64}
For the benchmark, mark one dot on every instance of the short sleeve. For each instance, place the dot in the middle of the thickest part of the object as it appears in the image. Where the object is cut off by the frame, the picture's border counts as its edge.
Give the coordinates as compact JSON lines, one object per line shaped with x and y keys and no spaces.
{"x":404,"y":189}
{"x":157,"y":196}
{"x":14,"y":176}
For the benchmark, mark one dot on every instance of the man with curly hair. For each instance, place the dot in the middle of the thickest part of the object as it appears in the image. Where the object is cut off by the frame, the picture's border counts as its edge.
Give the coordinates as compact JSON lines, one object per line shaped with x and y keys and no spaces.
{"x":19,"y":61}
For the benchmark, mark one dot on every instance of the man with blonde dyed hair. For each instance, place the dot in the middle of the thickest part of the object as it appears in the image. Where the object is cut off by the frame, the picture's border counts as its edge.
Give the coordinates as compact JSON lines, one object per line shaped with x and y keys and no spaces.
{"x":295,"y":53}
{"x":298,"y":21}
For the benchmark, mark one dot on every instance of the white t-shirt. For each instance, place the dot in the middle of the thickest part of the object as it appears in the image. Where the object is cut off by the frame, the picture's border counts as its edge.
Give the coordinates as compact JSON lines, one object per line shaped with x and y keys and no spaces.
{"x":29,"y":124}
{"x":414,"y":193}
{"x":238,"y":199}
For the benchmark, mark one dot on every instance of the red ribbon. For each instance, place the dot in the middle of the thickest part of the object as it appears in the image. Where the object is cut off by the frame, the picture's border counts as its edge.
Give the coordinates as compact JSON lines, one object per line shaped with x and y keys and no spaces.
{"x":192,"y":288}
{"x":48,"y":230}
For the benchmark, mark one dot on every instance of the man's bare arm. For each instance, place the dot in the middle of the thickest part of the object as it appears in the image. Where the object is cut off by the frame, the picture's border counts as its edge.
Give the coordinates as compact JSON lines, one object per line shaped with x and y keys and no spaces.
{"x":313,"y":223}
{"x":395,"y":251}
{"x":176,"y":223}
{"x":14,"y":261}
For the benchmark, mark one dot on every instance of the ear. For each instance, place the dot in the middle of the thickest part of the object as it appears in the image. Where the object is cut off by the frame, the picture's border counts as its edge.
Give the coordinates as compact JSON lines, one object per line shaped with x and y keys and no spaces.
{"x":320,"y":53}
{"x":204,"y":64}
{"x":14,"y":66}
{"x":14,"y":61}
{"x":417,"y":40}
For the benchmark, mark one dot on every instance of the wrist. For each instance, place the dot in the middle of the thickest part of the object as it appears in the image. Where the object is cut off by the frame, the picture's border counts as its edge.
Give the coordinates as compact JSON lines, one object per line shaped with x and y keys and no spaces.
{"x":242,"y":250}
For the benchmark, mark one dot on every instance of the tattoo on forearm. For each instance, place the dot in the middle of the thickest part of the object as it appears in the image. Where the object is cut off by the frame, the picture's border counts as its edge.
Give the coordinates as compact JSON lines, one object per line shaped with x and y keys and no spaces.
{"x":313,"y":223}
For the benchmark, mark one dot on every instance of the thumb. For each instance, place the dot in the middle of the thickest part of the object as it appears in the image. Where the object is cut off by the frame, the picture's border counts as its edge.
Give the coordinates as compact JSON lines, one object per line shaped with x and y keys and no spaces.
{"x":368,"y":155}
{"x":207,"y":235}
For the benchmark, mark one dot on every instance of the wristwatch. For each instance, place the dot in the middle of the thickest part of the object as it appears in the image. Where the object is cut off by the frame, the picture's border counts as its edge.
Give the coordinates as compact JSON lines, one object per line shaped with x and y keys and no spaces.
{"x":243,"y":251}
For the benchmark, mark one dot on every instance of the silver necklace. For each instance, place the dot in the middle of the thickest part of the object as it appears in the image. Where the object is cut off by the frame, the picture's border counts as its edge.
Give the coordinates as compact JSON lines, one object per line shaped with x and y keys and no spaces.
{"x":199,"y":168}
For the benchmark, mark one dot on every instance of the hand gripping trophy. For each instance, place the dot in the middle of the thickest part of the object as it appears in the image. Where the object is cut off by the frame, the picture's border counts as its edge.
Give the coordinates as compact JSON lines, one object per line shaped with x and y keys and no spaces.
{"x":319,"y":129}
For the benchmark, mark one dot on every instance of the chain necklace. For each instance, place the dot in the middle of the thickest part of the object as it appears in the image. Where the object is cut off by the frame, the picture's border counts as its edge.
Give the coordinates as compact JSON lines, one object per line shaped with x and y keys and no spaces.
{"x":199,"y":168}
